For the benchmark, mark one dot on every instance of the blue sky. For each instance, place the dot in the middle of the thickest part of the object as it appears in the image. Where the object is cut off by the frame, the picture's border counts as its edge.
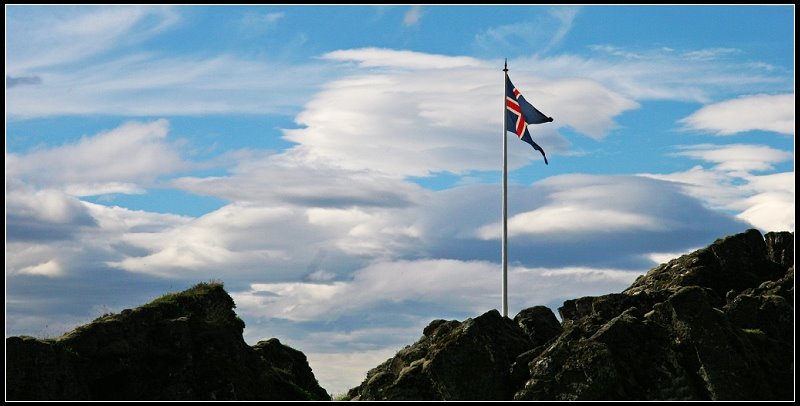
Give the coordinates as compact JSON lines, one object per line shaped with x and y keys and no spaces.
{"x":339,"y":167}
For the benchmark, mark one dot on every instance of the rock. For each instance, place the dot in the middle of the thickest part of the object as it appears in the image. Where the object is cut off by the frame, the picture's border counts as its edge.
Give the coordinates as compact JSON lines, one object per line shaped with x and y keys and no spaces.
{"x":731,"y":263}
{"x":42,"y":370}
{"x":715,"y":324}
{"x":452,"y":361}
{"x":766,"y":316}
{"x":608,"y":306}
{"x":780,"y":248}
{"x":182,"y":346}
{"x":625,"y":358}
{"x":539,"y":323}
{"x":292,"y":366}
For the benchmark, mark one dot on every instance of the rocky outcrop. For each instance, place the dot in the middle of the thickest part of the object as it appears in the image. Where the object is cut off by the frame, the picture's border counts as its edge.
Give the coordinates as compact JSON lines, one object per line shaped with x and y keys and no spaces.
{"x":182,"y":346}
{"x":452,"y":361}
{"x":715,"y":324}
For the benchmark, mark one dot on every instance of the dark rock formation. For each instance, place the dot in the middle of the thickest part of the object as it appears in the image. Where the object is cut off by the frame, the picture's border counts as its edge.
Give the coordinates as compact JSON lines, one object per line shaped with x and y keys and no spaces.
{"x":539,"y":323}
{"x":452,"y":361}
{"x":182,"y":346}
{"x":780,"y":247}
{"x":716,"y":324}
{"x":733,"y":263}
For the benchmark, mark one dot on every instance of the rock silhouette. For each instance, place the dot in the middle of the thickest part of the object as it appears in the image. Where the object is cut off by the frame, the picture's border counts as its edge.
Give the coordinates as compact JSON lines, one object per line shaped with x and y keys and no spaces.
{"x":182,"y":346}
{"x":715,"y":324}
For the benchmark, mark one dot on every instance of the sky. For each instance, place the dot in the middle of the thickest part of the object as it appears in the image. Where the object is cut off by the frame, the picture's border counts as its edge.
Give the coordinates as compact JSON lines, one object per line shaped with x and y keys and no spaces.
{"x":338,"y":167}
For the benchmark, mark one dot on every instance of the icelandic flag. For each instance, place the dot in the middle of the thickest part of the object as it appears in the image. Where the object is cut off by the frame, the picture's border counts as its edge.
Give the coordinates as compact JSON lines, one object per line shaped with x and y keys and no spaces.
{"x":520,"y":113}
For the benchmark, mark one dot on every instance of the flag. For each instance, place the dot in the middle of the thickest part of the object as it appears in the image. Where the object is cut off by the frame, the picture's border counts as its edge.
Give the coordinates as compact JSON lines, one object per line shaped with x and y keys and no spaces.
{"x":520,"y":113}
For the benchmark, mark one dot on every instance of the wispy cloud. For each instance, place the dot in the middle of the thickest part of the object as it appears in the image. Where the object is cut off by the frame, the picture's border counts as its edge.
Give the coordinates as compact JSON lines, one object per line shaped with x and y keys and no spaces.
{"x":43,"y":37}
{"x":253,"y":23}
{"x":566,"y":17}
{"x":710,"y":53}
{"x":540,"y":35}
{"x":265,"y":19}
{"x":660,"y":74}
{"x":746,"y":113}
{"x":412,"y":16}
{"x":401,"y":59}
{"x":736,"y":157}
{"x":150,"y":85}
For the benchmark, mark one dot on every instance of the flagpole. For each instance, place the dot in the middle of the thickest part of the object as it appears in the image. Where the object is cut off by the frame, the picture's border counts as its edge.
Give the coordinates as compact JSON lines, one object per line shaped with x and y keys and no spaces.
{"x":505,"y":196}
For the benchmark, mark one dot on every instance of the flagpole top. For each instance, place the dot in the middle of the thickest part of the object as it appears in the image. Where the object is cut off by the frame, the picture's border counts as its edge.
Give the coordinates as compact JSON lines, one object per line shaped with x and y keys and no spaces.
{"x":505,"y":65}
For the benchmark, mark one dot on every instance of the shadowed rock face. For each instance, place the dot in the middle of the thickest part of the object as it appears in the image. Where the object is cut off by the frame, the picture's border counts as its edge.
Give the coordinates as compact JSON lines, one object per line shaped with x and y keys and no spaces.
{"x":183,"y":346}
{"x":716,"y":324}
{"x":452,"y":361}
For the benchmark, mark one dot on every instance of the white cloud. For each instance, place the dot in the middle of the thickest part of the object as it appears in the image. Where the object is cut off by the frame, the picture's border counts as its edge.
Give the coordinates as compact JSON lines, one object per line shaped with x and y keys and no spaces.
{"x":93,"y":189}
{"x":391,"y":121}
{"x":119,"y":220}
{"x":764,"y":201}
{"x":777,"y":182}
{"x":659,"y":258}
{"x":746,"y":113}
{"x":412,"y":16}
{"x":332,"y":228}
{"x":446,"y":285}
{"x":716,"y":188}
{"x":594,"y":204}
{"x":391,"y":58}
{"x":736,"y":157}
{"x":338,"y":372}
{"x":118,"y":160}
{"x":298,"y":180}
{"x":49,"y":36}
{"x":56,"y":235}
{"x":573,"y":218}
{"x":50,"y":269}
{"x":230,"y":240}
{"x":43,"y":214}
{"x":46,"y":205}
{"x":770,"y":211}
{"x":24,"y":257}
{"x":585,"y":105}
{"x":770,"y":202}
{"x":372,"y":234}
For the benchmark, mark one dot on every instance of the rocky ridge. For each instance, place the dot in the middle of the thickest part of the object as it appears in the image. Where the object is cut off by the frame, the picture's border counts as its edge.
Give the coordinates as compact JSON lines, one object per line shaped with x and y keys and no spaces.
{"x":715,"y":324}
{"x":182,"y":346}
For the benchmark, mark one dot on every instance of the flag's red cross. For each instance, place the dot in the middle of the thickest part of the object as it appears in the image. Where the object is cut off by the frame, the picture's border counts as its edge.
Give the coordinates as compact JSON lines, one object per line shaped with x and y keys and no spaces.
{"x":513,"y":106}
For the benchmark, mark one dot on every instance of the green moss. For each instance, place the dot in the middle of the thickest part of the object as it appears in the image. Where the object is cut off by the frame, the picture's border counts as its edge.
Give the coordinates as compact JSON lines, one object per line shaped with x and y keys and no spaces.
{"x":195,"y":292}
